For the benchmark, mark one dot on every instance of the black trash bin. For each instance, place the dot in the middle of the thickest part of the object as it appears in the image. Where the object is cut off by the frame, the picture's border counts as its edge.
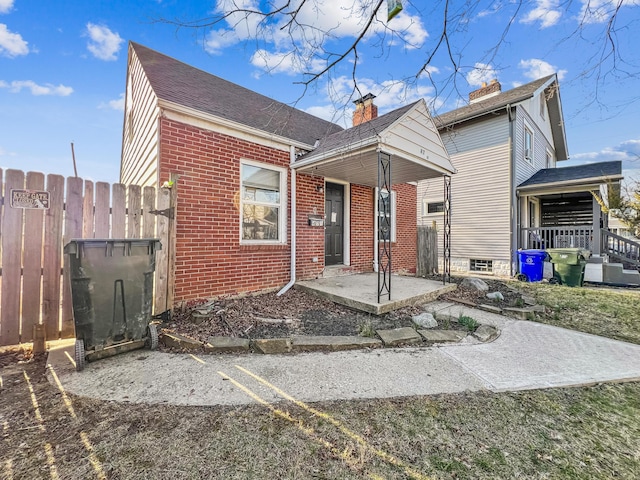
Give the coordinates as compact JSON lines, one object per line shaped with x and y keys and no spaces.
{"x":112,"y":295}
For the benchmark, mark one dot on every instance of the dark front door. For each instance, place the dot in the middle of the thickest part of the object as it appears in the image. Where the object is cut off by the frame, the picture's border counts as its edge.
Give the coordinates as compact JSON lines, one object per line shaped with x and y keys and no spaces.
{"x":334,"y":229}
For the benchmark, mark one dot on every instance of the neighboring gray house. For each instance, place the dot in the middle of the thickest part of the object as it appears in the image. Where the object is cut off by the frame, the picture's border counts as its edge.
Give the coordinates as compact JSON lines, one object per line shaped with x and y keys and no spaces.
{"x":508,"y":192}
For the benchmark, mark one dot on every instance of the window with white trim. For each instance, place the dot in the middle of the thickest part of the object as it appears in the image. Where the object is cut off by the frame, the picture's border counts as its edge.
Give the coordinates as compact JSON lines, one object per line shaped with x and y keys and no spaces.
{"x":528,"y":144}
{"x":386,"y":215}
{"x":262,"y":203}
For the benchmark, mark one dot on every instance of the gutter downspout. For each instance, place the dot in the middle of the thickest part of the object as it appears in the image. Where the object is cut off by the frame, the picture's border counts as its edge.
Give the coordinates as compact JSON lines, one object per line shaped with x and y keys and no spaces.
{"x":292,"y":156}
{"x":376,"y":245}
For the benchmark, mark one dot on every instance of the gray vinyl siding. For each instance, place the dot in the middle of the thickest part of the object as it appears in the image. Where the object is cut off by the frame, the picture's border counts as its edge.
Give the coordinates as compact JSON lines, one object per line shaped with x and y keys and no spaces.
{"x":480,"y":191}
{"x":475,"y":136}
{"x":541,"y":143}
{"x":140,"y":151}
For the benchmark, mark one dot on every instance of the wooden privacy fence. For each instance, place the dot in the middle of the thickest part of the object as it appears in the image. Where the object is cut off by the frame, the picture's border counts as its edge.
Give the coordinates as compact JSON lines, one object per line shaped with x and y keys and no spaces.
{"x":38,"y":217}
{"x":427,"y":251}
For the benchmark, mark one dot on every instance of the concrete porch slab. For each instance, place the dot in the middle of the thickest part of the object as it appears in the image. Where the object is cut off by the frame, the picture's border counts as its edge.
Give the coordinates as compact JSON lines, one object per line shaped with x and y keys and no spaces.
{"x":360,"y":292}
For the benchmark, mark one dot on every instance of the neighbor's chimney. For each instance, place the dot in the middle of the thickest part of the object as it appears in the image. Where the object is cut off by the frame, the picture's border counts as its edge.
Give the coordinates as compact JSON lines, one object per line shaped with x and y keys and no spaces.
{"x":365,"y":110}
{"x":486,"y":91}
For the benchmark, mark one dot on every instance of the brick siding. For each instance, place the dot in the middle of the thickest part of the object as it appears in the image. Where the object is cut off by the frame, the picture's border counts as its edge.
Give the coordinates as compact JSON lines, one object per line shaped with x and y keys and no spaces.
{"x":211,"y":262}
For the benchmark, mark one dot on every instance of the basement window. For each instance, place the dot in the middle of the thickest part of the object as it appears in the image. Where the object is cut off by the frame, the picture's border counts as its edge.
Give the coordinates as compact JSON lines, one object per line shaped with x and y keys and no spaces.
{"x":435,"y":207}
{"x":477,"y":265}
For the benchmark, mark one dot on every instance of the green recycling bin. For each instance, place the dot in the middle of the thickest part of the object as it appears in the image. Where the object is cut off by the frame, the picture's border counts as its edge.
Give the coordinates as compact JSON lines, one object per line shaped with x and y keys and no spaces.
{"x":112,"y":295}
{"x":569,"y":265}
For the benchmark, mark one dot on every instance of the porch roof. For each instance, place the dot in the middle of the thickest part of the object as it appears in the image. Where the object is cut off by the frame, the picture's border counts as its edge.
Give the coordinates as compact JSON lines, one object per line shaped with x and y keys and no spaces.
{"x":580,"y":177}
{"x":408,"y":134}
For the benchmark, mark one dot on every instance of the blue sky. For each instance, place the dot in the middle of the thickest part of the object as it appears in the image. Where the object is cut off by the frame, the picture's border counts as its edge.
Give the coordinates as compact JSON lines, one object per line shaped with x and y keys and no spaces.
{"x":63,"y":67}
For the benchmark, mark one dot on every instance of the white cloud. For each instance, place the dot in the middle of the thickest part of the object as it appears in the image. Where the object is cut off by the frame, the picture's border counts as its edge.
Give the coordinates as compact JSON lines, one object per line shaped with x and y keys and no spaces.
{"x":117,"y":104}
{"x":627,"y":151}
{"x":285,"y":63}
{"x":547,"y":12}
{"x":389,"y":94}
{"x":600,"y":11}
{"x":6,"y":6}
{"x":535,"y":68}
{"x":217,"y":40}
{"x":11,"y":44}
{"x":482,"y":72}
{"x":317,"y":27}
{"x":103,"y":44}
{"x":47,"y":89}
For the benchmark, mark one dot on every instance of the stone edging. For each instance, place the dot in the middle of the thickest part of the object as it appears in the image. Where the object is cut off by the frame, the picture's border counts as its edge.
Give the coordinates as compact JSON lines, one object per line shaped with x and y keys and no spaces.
{"x":404,"y":336}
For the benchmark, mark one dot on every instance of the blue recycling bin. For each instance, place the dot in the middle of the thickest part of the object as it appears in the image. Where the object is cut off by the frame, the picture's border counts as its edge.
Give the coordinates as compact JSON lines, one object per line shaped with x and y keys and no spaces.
{"x":531,"y":265}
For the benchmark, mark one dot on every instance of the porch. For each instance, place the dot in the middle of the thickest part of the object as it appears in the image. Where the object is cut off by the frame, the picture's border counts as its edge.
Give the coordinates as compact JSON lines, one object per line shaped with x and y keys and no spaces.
{"x":360,"y":291}
{"x":561,"y":207}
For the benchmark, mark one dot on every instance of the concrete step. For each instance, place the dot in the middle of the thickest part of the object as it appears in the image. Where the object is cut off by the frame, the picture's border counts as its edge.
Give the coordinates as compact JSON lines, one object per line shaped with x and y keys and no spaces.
{"x":616,"y":273}
{"x":596,"y":259}
{"x":337,"y":271}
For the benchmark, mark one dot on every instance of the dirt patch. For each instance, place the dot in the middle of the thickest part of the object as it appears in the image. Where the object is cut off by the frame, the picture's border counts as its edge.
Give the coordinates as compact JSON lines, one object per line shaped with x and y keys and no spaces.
{"x":301,"y":313}
{"x":270,"y":316}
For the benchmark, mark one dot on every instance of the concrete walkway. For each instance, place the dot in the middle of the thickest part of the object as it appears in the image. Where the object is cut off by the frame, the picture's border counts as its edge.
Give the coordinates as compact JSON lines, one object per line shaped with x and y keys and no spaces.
{"x":527,"y":355}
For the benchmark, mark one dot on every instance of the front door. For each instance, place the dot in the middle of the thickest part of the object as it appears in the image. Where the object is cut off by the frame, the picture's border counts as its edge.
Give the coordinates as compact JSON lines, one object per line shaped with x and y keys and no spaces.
{"x":334,"y":229}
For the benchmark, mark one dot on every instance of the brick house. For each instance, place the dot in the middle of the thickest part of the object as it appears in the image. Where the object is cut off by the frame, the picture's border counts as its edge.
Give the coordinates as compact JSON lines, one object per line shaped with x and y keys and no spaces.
{"x":266,"y":193}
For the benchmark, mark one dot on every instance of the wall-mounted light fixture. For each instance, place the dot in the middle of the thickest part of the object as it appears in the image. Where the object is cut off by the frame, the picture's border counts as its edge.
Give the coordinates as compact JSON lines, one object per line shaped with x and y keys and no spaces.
{"x":319,"y":188}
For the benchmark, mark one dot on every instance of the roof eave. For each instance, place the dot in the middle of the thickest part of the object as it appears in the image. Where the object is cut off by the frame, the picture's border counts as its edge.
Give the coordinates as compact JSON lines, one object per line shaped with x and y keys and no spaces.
{"x":334,"y":153}
{"x":587,"y":182}
{"x":176,"y":107}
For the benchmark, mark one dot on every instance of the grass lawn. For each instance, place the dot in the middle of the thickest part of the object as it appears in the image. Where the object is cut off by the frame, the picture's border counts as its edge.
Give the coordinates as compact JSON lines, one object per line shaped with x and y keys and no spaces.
{"x":574,"y":433}
{"x":608,"y":312}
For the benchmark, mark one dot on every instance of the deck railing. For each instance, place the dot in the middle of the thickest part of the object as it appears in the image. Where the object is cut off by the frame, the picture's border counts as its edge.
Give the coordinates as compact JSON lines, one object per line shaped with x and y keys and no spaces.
{"x":621,"y":249}
{"x":578,"y":236}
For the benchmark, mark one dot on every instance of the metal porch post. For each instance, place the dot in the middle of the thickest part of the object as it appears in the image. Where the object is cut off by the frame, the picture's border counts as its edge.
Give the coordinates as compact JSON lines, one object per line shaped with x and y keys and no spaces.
{"x":446,"y":274}
{"x":383,"y":210}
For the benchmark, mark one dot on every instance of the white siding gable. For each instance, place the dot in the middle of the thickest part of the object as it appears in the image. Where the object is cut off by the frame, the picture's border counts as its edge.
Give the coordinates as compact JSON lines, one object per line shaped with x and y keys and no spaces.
{"x":139,"y":163}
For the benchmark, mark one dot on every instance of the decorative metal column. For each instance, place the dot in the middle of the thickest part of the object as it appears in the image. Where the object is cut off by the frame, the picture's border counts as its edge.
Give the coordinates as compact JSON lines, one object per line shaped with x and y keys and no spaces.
{"x":384,"y":225}
{"x":446,"y":274}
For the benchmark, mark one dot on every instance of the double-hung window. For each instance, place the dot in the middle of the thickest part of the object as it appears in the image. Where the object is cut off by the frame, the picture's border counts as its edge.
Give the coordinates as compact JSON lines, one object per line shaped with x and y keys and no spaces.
{"x":262,"y":203}
{"x":528,"y":145}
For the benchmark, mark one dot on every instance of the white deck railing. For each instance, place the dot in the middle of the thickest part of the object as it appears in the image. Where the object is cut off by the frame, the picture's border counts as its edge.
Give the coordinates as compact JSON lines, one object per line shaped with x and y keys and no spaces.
{"x":578,"y":236}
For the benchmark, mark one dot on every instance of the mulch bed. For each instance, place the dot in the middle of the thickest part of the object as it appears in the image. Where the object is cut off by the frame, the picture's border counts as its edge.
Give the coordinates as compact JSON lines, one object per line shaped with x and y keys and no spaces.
{"x":300,"y":313}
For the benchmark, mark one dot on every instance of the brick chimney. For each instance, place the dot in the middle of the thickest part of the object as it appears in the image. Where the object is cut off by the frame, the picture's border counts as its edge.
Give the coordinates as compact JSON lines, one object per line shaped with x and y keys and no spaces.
{"x":486,"y":91}
{"x":365,"y":110}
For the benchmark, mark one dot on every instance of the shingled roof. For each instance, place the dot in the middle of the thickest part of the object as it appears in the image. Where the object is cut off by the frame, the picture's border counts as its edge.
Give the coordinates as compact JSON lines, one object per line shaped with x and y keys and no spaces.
{"x":182,"y":84}
{"x":588,"y":172}
{"x":491,"y":104}
{"x":360,"y":133}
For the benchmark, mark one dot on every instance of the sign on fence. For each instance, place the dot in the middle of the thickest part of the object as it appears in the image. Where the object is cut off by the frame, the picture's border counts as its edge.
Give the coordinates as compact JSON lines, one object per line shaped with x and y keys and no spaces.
{"x":29,"y":199}
{"x":38,"y":218}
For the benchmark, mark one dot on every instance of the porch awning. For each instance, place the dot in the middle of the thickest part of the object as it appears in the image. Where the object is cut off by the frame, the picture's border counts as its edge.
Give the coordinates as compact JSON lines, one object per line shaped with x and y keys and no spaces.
{"x":408,"y":134}
{"x":579,"y":178}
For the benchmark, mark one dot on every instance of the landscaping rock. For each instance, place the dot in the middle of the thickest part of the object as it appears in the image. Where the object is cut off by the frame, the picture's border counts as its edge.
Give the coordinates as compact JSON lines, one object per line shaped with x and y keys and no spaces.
{"x":332,"y":343}
{"x":464,"y":301}
{"x":473,"y":283}
{"x":425,"y":320}
{"x":272,"y":345}
{"x":175,"y":340}
{"x":528,"y":300}
{"x":197,"y":318}
{"x":442,"y":336}
{"x":399,"y":336}
{"x":495,"y":296}
{"x":486,"y":333}
{"x":226,"y":344}
{"x":490,"y":308}
{"x":527,"y":313}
